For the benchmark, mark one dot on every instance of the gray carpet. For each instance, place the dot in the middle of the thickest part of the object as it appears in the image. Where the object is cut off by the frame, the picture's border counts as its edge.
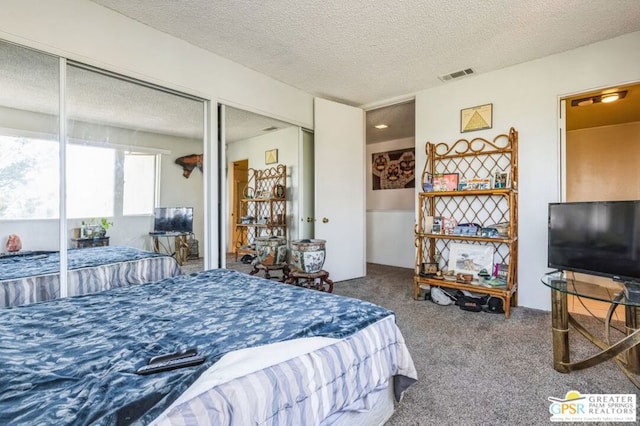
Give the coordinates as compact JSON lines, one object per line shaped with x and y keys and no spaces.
{"x":477,"y":368}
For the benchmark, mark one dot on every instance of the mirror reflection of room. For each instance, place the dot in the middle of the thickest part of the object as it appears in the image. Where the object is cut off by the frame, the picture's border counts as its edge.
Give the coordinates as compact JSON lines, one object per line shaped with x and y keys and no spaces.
{"x":122,"y":140}
{"x":256,"y":144}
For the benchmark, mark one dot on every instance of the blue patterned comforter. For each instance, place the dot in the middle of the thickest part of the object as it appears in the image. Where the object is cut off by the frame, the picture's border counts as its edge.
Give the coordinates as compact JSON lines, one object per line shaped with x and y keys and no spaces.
{"x":12,"y":267}
{"x":73,"y":361}
{"x":34,"y":277}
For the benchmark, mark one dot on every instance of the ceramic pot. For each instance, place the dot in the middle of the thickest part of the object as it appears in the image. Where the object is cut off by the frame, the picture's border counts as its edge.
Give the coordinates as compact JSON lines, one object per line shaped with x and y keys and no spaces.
{"x":307,"y":256}
{"x":271,"y":250}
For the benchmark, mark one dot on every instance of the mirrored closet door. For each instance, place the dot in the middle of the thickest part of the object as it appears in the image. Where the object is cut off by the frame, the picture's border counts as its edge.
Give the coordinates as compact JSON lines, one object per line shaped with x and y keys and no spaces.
{"x":29,"y":165}
{"x":254,"y":142}
{"x":131,"y":151}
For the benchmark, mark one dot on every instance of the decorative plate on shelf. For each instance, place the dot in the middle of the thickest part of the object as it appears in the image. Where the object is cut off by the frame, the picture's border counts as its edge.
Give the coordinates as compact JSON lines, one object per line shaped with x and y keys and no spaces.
{"x":248,"y":192}
{"x":278,"y":191}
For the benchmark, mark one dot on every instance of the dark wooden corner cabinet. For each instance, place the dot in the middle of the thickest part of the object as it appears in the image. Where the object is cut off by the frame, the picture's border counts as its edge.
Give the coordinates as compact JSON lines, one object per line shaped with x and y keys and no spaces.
{"x":489,"y":201}
{"x":263,"y":208}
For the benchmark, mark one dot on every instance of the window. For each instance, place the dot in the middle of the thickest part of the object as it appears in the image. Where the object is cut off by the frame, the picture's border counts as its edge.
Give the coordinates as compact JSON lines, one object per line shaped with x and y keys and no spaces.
{"x":90,"y":181}
{"x":139,"y":184}
{"x":29,"y":178}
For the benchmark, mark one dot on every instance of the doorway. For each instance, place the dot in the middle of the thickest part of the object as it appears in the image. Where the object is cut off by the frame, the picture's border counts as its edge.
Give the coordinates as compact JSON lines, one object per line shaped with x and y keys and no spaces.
{"x":390,"y":203}
{"x":602,"y":151}
{"x":238,"y":176}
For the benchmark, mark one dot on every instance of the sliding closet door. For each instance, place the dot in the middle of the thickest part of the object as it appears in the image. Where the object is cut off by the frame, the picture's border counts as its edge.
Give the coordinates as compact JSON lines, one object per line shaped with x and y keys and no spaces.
{"x":29,"y":158}
{"x":123,"y":140}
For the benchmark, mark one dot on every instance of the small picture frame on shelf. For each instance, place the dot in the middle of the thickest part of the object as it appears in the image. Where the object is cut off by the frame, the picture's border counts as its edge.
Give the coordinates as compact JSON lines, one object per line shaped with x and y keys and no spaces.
{"x":470,"y":258}
{"x":427,"y":186}
{"x":445,"y":182}
{"x":501,"y":270}
{"x":436,"y":227}
{"x":502,"y":179}
{"x":428,"y":269}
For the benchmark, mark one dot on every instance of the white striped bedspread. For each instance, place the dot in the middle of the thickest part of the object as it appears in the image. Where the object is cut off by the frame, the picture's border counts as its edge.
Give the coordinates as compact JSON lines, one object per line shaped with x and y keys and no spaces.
{"x":313,"y":388}
{"x":29,"y":279}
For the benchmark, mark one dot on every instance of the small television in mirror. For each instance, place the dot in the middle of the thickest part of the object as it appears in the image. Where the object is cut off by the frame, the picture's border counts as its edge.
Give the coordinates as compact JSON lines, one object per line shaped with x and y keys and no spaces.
{"x":173,"y":219}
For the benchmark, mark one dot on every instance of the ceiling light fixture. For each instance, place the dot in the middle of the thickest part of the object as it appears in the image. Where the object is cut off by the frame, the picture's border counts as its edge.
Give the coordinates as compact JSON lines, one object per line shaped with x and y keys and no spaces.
{"x":381,"y":126}
{"x":585,"y":102}
{"x":612,"y":97}
{"x":604,"y":98}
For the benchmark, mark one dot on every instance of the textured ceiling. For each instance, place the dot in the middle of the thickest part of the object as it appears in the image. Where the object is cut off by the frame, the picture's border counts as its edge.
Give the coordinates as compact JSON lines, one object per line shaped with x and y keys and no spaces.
{"x":361,"y":52}
{"x":356,"y":52}
{"x":241,"y":125}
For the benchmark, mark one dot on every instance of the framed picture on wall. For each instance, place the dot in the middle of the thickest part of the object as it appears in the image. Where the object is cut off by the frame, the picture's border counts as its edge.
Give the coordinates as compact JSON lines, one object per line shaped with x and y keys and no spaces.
{"x":271,"y":156}
{"x":476,"y":118}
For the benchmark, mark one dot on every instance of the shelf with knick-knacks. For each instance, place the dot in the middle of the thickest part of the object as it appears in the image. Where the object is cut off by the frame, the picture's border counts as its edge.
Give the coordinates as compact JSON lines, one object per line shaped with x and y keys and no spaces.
{"x":466,"y":235}
{"x":263,"y":208}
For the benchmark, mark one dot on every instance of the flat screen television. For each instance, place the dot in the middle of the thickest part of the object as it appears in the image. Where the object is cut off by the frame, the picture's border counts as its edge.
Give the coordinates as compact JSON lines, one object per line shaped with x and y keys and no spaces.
{"x":599,"y":238}
{"x":173,"y":219}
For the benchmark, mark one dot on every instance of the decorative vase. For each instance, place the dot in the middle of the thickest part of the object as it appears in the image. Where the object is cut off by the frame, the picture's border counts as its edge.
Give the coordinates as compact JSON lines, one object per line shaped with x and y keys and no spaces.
{"x":307,"y":256}
{"x":271,"y":250}
{"x":13,"y":243}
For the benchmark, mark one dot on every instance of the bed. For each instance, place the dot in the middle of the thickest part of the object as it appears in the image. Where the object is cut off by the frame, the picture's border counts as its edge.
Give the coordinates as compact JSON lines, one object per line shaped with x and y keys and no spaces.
{"x":275,"y":354}
{"x":35,"y":276}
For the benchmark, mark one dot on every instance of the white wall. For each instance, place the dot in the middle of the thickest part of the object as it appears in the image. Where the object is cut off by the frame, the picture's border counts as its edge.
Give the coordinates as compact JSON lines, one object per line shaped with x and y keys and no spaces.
{"x":390,"y":235}
{"x":390,"y":214}
{"x":252,"y":149}
{"x":526,"y":97}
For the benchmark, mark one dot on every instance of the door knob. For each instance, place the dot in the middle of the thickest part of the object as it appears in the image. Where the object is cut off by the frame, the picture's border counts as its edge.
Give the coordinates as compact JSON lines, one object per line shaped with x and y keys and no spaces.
{"x":325,"y":220}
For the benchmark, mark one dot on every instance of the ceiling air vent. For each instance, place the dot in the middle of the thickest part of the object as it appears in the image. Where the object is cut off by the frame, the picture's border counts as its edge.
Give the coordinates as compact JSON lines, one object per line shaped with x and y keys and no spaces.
{"x":457,"y":74}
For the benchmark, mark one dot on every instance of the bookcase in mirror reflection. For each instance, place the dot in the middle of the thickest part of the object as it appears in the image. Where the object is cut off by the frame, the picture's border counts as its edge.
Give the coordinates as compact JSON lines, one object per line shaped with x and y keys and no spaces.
{"x":263,"y":208}
{"x":473,"y":228}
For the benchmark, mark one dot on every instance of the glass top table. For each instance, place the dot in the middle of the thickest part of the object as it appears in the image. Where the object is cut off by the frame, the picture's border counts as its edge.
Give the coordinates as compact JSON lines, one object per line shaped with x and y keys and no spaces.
{"x":625,"y":352}
{"x":626,"y":294}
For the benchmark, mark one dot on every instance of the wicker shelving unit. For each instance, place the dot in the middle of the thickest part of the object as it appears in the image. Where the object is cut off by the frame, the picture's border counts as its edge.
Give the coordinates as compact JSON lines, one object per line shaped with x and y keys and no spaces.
{"x":475,"y":158}
{"x":264,"y":208}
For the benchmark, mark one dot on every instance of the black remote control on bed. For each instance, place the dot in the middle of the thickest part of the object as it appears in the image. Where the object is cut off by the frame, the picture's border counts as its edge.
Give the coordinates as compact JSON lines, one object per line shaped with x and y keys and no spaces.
{"x":171,"y":364}
{"x":174,"y":355}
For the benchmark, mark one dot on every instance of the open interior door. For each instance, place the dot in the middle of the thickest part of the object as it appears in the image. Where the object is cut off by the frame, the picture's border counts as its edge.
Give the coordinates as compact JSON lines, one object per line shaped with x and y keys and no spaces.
{"x":340,"y":187}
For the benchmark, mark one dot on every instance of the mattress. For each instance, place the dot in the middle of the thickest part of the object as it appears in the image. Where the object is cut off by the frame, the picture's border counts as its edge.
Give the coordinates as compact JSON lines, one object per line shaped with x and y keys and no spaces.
{"x":35,"y":277}
{"x":312,"y":381}
{"x":73,"y":360}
